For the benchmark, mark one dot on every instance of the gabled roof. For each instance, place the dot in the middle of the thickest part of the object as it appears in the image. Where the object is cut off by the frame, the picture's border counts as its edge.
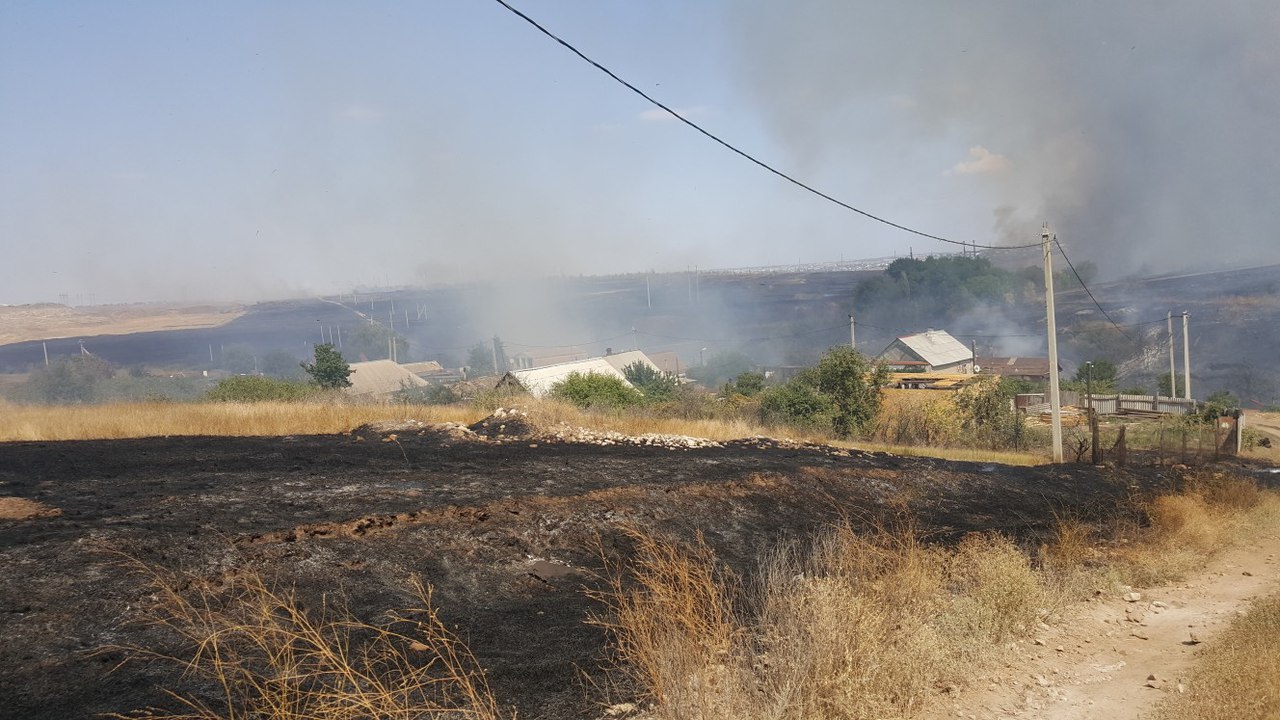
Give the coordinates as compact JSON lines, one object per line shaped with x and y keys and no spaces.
{"x":379,"y":378}
{"x":623,"y":359}
{"x":937,"y":347}
{"x":1029,"y":366}
{"x":426,"y":366}
{"x":538,"y":381}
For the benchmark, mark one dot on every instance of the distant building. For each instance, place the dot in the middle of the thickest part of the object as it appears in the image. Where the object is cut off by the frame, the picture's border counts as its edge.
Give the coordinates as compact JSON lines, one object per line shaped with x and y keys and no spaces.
{"x":1035,"y":369}
{"x":668,"y":362}
{"x":380,"y":379}
{"x":542,"y":357}
{"x":934,"y":351}
{"x":539,"y":381}
{"x":432,"y":372}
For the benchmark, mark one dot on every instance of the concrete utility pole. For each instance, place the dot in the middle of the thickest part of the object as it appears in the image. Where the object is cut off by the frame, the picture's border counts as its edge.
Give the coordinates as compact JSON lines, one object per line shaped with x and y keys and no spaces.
{"x":495,"y":355}
{"x":1186,"y":356}
{"x":1055,"y":402}
{"x":853,"y":339}
{"x":339,"y":328}
{"x":648,"y":296}
{"x":45,"y":345}
{"x":1173,"y":371}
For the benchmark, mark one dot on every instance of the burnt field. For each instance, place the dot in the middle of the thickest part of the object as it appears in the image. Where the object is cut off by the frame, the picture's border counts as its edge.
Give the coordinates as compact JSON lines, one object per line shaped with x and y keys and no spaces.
{"x":509,"y":533}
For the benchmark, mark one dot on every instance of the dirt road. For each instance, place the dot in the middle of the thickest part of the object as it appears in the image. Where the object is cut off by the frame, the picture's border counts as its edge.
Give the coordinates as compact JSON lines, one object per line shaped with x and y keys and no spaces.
{"x":504,"y":530}
{"x":1116,"y":659}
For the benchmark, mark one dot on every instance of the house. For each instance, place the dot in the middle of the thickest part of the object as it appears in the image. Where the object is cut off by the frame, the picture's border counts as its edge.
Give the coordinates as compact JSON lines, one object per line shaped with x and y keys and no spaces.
{"x":380,"y":379}
{"x":432,"y":372}
{"x":1035,"y":369}
{"x":934,"y":351}
{"x":539,"y":381}
{"x":542,"y":357}
{"x":668,"y":362}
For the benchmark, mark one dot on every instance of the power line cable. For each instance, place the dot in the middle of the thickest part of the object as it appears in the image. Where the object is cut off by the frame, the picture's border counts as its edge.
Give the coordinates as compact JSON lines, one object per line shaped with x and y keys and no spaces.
{"x":1090,"y":292}
{"x":746,"y":155}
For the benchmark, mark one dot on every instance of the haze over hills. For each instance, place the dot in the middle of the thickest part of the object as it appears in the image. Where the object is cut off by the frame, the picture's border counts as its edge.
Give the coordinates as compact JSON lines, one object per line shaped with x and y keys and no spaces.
{"x":775,"y":318}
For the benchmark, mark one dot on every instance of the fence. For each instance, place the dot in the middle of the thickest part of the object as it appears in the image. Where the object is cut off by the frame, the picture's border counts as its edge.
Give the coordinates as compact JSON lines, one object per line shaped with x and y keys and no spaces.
{"x":1169,"y":442}
{"x":1036,"y":403}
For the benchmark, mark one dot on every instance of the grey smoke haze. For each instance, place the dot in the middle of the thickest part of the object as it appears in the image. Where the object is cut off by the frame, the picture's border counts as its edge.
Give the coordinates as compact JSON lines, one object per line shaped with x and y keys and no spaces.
{"x":242,"y":150}
{"x":1145,"y":132}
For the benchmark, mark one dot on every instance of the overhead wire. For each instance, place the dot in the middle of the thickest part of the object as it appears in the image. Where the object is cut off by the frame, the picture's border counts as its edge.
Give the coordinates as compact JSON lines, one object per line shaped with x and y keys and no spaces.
{"x":744,"y":154}
{"x":1089,"y":292}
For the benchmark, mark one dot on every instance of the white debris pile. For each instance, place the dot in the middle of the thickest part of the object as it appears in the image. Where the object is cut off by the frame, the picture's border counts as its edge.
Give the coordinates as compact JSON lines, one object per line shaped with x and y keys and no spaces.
{"x":572,"y":434}
{"x":409,"y":426}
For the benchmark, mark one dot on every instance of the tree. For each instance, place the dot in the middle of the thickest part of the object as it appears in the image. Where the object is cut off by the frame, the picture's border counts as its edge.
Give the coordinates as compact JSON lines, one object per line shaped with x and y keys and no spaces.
{"x":720,"y":368}
{"x":329,"y":370}
{"x":480,"y":358}
{"x":373,"y":340}
{"x":748,"y":384}
{"x":1167,"y":387}
{"x":853,"y":384}
{"x":238,"y":359}
{"x":72,"y":379}
{"x":654,"y":383}
{"x":281,"y":364}
{"x":796,"y":402}
{"x":1101,"y":373}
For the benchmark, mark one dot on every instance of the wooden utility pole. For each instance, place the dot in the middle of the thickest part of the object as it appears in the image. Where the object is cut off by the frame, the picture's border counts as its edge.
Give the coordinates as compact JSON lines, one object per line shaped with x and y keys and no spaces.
{"x":1173,"y":370}
{"x":1186,"y":356}
{"x":1055,"y":402}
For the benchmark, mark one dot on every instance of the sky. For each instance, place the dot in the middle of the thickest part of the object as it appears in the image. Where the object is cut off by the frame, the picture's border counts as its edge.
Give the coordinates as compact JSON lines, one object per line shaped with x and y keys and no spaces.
{"x":159,"y":151}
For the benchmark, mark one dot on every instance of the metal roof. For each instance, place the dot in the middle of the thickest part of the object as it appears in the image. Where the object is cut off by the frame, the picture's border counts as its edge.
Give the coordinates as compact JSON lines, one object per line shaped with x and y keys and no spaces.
{"x":623,"y":359}
{"x":377,"y":378}
{"x":937,"y":348}
{"x":539,"y":381}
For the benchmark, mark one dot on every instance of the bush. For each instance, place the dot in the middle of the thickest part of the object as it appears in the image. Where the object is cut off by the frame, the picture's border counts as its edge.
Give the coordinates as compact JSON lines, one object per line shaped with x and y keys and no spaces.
{"x":796,"y":403}
{"x":329,"y":370}
{"x":595,"y":390}
{"x":252,"y":388}
{"x":429,"y":395}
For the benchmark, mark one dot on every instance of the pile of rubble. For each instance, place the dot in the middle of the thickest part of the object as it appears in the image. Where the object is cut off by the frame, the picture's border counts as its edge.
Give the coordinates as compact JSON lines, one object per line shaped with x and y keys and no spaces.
{"x":392,"y":428}
{"x":571,"y":434}
{"x":504,"y":424}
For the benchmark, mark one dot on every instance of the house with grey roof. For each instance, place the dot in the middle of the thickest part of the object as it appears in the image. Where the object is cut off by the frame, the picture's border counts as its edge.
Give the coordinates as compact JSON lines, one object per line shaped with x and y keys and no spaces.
{"x":933,"y":351}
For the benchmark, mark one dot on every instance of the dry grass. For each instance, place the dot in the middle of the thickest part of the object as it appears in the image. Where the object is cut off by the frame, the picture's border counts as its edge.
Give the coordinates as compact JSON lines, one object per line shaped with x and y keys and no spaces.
{"x":133,"y":420}
{"x":857,"y":626}
{"x":255,"y":652}
{"x":1182,"y":531}
{"x":1236,"y":676}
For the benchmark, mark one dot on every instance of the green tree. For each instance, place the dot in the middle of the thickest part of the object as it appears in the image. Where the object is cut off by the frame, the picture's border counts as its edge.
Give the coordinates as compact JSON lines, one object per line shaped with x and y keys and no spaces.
{"x":480,"y":358}
{"x":281,"y":364}
{"x":372,"y":341}
{"x":1101,"y":373}
{"x":1167,"y":387}
{"x":254,"y":388}
{"x":854,"y":386}
{"x":595,"y":390}
{"x":329,"y":369}
{"x":748,"y":384}
{"x":654,"y":383}
{"x":72,"y":379}
{"x":796,"y":402}
{"x":720,"y":368}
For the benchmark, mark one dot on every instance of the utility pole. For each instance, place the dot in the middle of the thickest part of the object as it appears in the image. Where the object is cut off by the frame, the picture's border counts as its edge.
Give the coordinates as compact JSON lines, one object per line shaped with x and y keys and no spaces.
{"x":339,"y":328}
{"x":648,"y":296}
{"x":1055,"y":402}
{"x":1186,"y":356}
{"x":635,"y":337}
{"x":495,"y":355}
{"x":1173,"y":371}
{"x":853,"y":339}
{"x":45,"y":345}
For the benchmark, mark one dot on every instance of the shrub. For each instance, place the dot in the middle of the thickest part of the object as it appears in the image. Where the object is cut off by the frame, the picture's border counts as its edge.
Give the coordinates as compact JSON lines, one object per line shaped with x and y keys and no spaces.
{"x":429,"y":395}
{"x":252,"y":388}
{"x":329,"y":370}
{"x":596,"y":390}
{"x":796,"y":403}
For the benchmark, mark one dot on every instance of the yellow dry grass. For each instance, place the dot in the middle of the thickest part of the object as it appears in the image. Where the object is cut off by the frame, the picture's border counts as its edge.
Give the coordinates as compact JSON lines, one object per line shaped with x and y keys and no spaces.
{"x":858,"y":626}
{"x":265,"y":655}
{"x":134,"y":420}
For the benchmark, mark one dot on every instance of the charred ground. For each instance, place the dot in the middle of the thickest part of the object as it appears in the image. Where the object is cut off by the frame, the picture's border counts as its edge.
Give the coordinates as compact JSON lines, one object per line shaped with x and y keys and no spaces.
{"x":506,"y":530}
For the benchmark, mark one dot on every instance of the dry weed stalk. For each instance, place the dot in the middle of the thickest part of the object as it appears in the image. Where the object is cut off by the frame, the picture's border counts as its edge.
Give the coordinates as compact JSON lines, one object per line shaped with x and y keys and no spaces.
{"x":258,"y":653}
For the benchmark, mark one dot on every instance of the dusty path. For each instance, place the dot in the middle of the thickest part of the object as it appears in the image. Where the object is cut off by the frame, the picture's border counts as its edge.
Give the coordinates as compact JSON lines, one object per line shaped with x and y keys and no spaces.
{"x":1098,"y":662}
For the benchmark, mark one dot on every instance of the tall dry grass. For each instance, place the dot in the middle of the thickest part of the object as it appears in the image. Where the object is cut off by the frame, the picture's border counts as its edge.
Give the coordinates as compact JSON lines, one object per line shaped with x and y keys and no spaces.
{"x":254,"y":651}
{"x":156,"y":419}
{"x":856,"y":626}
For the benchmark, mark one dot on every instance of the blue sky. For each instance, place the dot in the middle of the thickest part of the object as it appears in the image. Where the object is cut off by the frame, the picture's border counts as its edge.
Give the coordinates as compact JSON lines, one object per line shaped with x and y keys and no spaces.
{"x":236,"y":150}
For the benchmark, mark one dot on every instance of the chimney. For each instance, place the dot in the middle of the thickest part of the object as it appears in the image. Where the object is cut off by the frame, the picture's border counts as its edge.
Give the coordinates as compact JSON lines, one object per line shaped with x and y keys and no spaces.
{"x":608,"y":351}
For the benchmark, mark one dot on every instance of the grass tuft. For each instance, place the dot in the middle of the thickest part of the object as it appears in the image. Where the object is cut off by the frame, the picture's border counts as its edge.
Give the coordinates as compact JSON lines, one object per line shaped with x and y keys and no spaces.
{"x":255,"y":651}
